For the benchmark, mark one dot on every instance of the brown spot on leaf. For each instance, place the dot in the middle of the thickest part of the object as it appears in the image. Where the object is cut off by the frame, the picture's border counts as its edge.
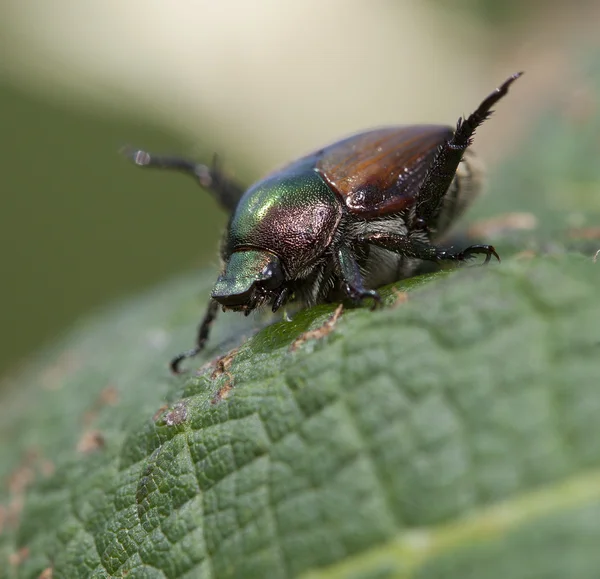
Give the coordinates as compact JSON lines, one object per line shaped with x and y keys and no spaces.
{"x":401,"y":297}
{"x":590,"y":233}
{"x":176,"y":415}
{"x":15,"y":559}
{"x":320,"y":332}
{"x":46,"y":573}
{"x":223,"y":392}
{"x":502,"y":224}
{"x":47,"y":468}
{"x":222,"y":366}
{"x":24,"y":474}
{"x":527,"y":254}
{"x":90,"y":441}
{"x":109,"y":396}
{"x":20,"y":479}
{"x":160,"y":412}
{"x":54,"y":376}
{"x":14,"y":510}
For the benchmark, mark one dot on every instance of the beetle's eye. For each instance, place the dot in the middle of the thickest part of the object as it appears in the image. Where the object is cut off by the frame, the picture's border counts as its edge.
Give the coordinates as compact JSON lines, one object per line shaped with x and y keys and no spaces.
{"x":273,"y":276}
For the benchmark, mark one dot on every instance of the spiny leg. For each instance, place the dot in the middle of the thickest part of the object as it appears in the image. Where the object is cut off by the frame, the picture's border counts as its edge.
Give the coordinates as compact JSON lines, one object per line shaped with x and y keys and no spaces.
{"x":226,"y":191}
{"x":404,"y":245}
{"x":201,"y":338}
{"x":468,"y":253}
{"x":442,"y":171}
{"x":348,"y":270}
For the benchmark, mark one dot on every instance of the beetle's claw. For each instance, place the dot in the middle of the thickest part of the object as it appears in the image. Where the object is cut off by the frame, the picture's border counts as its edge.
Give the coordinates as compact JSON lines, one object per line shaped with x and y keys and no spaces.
{"x":377,"y":302}
{"x":175,"y":363}
{"x":473,"y":250}
{"x":358,"y":296}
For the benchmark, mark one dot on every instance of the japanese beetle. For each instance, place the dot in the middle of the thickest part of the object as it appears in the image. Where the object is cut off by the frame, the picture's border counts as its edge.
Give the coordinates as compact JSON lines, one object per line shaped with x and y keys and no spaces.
{"x":344,"y":220}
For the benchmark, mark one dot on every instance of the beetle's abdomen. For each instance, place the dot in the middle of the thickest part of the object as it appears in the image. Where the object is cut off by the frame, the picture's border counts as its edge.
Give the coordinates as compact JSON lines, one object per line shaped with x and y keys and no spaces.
{"x":293,"y":215}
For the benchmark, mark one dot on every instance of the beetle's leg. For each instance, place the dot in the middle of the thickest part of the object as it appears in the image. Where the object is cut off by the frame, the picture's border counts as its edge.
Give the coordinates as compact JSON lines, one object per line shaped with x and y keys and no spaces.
{"x":201,"y":338}
{"x":280,"y":299}
{"x":444,"y":165}
{"x":348,"y":270}
{"x":404,"y":245}
{"x":468,"y":253}
{"x":226,"y":191}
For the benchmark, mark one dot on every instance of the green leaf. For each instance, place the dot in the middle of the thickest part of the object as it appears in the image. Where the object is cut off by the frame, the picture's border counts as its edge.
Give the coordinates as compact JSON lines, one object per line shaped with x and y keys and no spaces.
{"x":453,"y":433}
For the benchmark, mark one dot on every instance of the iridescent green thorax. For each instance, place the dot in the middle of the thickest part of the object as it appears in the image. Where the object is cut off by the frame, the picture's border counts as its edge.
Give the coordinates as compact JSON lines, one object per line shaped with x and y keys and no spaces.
{"x":292,"y":214}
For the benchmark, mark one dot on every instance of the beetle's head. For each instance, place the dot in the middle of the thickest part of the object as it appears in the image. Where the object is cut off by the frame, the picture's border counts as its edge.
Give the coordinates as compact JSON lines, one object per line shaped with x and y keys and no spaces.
{"x":280,"y":227}
{"x":251,"y":279}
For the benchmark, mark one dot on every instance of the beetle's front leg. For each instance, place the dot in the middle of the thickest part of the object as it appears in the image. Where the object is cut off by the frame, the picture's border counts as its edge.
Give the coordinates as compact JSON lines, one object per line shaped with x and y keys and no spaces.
{"x":404,"y":245}
{"x":226,"y":191}
{"x":203,"y":331}
{"x":349,"y":272}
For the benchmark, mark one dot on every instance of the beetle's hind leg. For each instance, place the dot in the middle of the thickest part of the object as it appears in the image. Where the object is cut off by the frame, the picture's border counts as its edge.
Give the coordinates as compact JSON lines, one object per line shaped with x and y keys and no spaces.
{"x":468,"y":253}
{"x":203,"y":331}
{"x":226,"y":191}
{"x":443,"y":168}
{"x":409,"y":247}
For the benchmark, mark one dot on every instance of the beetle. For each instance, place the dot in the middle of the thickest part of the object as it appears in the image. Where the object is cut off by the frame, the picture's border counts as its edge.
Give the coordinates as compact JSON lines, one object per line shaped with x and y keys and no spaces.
{"x":343,"y":220}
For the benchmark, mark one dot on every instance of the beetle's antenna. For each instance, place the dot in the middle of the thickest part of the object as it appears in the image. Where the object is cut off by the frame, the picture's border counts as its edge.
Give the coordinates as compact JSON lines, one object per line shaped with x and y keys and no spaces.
{"x":227,"y":192}
{"x":444,"y":165}
{"x":145,"y":159}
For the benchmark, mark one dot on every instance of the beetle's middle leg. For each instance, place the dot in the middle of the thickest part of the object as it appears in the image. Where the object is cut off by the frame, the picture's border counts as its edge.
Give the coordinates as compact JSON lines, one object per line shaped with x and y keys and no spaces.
{"x":226,"y":191}
{"x":404,"y":245}
{"x":348,"y":270}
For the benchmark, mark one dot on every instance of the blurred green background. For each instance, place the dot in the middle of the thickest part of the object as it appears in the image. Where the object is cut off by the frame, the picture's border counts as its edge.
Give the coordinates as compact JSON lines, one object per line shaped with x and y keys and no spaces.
{"x":79,"y":226}
{"x":258,"y":84}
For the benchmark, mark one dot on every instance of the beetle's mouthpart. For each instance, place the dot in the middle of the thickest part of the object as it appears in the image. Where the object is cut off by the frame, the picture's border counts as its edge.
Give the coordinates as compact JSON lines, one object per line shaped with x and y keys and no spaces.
{"x":249,"y":280}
